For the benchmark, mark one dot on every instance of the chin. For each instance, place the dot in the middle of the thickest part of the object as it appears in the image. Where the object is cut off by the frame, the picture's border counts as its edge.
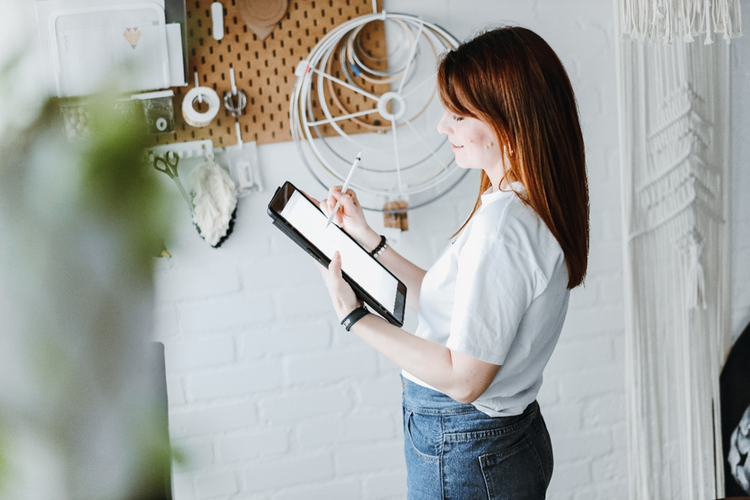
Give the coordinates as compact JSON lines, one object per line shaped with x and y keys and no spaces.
{"x":467,"y":166}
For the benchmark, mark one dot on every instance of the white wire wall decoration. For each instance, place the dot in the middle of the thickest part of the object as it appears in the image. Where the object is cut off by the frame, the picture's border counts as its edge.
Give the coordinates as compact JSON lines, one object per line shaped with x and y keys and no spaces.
{"x":404,"y":157}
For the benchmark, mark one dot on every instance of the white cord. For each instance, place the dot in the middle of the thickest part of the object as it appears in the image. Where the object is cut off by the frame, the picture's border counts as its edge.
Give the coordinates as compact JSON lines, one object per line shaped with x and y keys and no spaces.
{"x":198,"y":84}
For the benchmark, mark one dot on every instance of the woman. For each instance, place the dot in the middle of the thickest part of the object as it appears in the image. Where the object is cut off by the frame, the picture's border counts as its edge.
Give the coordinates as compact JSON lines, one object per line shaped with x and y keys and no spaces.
{"x":492,"y":306}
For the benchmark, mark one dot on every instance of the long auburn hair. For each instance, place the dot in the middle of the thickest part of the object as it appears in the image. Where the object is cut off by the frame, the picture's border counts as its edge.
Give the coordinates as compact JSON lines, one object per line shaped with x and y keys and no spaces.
{"x":512,"y":80}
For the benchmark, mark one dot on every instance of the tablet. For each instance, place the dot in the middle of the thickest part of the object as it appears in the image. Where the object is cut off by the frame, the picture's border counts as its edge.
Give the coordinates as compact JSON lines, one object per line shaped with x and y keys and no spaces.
{"x":305,"y":223}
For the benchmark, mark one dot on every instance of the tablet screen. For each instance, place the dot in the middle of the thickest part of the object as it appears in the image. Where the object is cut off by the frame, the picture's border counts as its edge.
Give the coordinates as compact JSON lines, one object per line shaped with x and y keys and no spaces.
{"x":310,"y":221}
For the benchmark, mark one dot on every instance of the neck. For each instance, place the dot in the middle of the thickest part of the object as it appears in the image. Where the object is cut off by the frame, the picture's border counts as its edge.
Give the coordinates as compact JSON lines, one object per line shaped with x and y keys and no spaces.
{"x":499,"y":176}
{"x":501,"y":182}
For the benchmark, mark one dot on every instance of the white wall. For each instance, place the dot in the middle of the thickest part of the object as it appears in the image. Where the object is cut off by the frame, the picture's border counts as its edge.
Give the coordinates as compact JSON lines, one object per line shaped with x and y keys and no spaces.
{"x":270,"y":397}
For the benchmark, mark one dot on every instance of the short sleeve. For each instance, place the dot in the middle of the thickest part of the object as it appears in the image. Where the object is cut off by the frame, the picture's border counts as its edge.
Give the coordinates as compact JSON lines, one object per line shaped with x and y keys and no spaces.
{"x":495,"y":284}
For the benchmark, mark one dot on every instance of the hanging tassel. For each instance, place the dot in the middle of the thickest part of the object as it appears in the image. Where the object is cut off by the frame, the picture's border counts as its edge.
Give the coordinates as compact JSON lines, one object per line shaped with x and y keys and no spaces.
{"x":696,"y":279}
{"x":708,"y":17}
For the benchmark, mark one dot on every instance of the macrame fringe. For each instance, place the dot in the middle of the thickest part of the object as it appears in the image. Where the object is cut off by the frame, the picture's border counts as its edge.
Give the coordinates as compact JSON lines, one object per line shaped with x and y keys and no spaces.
{"x":674,"y":257}
{"x":668,"y":20}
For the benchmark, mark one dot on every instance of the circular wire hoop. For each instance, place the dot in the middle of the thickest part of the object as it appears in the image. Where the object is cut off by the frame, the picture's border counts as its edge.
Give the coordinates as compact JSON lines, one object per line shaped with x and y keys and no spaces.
{"x":354,"y":95}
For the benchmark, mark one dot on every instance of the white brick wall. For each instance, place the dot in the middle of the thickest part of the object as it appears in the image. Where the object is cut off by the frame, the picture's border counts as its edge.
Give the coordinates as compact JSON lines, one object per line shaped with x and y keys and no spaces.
{"x":274,"y":475}
{"x":271,"y":399}
{"x":212,"y":420}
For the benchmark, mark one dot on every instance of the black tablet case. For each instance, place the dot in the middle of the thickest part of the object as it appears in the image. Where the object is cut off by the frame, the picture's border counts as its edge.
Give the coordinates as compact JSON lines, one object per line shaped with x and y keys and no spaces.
{"x":297,"y":237}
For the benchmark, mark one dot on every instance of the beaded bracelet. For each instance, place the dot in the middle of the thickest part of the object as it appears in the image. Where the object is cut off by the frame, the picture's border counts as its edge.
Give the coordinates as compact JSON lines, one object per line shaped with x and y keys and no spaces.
{"x":380,"y":248}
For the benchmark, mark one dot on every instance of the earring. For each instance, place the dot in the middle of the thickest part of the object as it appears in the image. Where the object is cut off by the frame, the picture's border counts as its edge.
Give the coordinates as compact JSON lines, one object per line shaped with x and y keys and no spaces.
{"x":490,"y":145}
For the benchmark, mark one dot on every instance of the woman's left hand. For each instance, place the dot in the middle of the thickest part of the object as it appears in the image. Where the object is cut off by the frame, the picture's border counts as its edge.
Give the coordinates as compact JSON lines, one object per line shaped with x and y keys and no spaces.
{"x":342,"y":295}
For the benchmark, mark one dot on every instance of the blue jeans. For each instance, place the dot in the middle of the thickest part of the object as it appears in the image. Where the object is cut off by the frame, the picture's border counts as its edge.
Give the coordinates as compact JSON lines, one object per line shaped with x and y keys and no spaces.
{"x":454,"y":451}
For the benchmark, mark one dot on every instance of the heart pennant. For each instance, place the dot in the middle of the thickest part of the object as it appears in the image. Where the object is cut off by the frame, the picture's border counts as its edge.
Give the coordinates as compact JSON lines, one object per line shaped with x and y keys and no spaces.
{"x":132,"y":35}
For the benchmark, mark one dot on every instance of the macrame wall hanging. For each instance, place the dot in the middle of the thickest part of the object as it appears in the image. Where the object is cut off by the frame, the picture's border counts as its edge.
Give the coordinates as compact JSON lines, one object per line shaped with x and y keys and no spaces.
{"x":680,"y":20}
{"x":674,"y":141}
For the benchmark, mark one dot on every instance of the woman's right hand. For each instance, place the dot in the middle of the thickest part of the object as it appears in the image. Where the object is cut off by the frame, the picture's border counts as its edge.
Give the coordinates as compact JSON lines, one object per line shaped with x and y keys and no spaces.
{"x":350,"y":216}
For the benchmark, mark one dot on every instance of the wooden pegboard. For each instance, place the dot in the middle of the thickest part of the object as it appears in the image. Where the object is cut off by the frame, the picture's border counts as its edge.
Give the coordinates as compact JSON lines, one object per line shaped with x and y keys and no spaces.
{"x":264,"y":69}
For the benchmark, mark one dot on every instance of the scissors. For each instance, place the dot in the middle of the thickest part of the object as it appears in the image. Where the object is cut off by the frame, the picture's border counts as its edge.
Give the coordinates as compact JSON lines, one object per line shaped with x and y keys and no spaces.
{"x":169,"y":167}
{"x":169,"y":163}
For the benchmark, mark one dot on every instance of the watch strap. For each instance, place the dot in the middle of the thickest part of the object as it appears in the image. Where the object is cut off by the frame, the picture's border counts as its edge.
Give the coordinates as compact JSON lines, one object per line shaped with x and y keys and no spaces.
{"x":354,"y":316}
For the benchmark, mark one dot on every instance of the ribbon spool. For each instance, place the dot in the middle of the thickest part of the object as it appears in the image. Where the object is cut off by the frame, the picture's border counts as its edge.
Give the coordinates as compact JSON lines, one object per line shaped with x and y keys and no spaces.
{"x":196,"y":118}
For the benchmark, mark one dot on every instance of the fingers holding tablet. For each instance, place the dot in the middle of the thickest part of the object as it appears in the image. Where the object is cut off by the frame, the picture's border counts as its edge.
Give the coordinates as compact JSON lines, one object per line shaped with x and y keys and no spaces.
{"x":350,"y":216}
{"x":342,"y":295}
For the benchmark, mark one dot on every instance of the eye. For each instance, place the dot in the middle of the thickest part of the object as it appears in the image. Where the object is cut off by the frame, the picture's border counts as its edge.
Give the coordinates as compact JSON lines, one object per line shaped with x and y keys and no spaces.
{"x":457,"y":118}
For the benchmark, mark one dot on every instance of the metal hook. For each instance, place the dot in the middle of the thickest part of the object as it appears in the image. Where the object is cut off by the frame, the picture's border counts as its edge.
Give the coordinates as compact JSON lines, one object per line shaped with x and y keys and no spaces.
{"x":197,"y":84}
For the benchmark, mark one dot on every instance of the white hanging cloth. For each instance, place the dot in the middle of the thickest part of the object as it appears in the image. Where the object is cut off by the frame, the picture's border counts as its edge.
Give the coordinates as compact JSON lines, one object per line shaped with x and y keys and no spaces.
{"x":674,"y":130}
{"x":673,"y":20}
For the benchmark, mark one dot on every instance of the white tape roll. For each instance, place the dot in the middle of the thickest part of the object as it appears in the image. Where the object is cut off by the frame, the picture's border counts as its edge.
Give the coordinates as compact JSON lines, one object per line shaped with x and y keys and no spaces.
{"x":196,"y":118}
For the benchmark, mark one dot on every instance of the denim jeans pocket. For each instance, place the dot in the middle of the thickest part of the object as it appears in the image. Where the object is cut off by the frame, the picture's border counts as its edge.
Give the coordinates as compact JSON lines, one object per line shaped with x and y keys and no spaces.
{"x":484,"y":429}
{"x":425,"y":435}
{"x":514,"y":473}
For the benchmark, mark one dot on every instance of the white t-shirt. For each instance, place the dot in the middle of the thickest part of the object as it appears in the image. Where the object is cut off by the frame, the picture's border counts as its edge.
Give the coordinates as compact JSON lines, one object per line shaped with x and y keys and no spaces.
{"x":499,"y":294}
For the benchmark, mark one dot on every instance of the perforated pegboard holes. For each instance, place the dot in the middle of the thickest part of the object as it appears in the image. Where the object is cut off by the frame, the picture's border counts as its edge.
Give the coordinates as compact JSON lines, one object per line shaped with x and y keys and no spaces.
{"x":264,"y":69}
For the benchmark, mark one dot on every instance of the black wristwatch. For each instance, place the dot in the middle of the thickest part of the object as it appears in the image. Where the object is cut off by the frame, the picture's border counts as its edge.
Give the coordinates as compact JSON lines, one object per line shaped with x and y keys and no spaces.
{"x":354,"y":316}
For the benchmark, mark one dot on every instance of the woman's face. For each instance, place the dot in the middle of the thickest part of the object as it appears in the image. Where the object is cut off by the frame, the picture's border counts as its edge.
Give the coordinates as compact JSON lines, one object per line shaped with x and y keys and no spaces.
{"x":474,"y":144}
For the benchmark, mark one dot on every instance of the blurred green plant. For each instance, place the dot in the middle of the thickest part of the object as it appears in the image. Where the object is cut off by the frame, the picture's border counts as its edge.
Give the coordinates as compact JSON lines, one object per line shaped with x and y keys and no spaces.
{"x":3,"y":459}
{"x":82,"y":221}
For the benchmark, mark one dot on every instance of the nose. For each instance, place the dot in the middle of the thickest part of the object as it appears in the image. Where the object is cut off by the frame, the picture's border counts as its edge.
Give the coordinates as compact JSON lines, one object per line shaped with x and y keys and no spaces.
{"x":443,"y":126}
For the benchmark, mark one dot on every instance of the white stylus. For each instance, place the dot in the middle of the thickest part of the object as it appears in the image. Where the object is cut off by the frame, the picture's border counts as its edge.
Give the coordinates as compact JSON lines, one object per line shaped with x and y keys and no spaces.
{"x":345,"y":187}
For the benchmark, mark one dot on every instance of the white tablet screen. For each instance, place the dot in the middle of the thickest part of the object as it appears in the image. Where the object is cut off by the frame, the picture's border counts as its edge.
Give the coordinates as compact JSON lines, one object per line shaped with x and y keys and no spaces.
{"x":311,"y":223}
